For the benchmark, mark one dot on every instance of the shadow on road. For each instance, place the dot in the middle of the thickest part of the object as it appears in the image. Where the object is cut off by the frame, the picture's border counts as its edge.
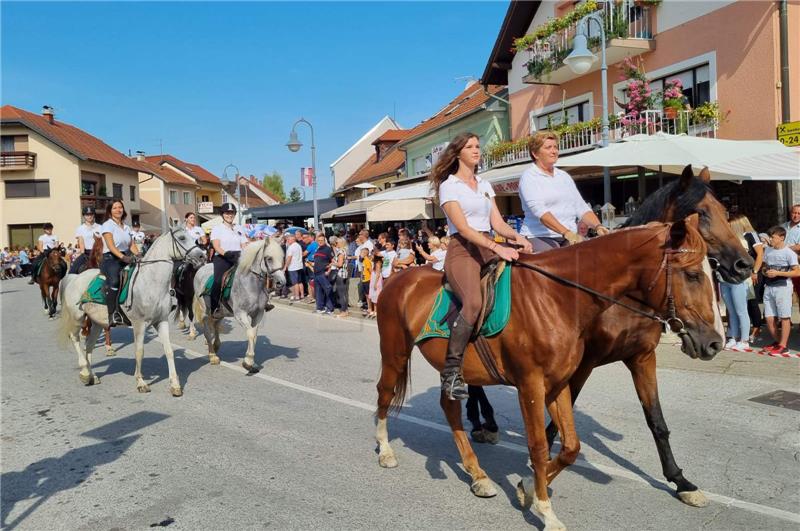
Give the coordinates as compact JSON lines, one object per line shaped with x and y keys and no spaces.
{"x":233,"y":351}
{"x":41,"y":480}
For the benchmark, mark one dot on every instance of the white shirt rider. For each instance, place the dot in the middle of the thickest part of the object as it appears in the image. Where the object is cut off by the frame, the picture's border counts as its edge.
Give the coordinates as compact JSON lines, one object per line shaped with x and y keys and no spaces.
{"x":122,"y":235}
{"x":49,"y":241}
{"x":230,"y":238}
{"x":475,"y":204}
{"x":138,"y":237}
{"x":87,"y":233}
{"x":540,"y":193}
{"x":195,"y":232}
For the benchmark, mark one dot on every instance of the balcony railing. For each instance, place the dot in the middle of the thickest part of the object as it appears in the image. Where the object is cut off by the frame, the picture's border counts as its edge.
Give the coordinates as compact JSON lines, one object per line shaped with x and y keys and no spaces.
{"x":587,"y":135}
{"x":96,"y":202}
{"x":17,"y":160}
{"x":628,"y":32}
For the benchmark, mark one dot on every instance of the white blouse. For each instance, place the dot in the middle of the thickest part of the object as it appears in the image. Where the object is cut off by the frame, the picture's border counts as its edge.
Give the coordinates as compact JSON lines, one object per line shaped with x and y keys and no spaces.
{"x":230,"y":239}
{"x":540,"y":193}
{"x":122,"y":236}
{"x":88,"y":232}
{"x":476,"y":205}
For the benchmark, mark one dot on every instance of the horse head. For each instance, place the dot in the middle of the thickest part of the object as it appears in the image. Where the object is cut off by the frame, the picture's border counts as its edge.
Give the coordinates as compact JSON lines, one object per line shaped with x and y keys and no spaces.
{"x":271,"y":261}
{"x":684,"y":290}
{"x":184,"y":247}
{"x":725,"y":250}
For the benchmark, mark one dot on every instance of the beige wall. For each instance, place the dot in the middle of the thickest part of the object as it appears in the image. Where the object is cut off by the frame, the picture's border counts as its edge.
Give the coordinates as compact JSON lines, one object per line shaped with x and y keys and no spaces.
{"x":156,"y":208}
{"x":344,"y":167}
{"x":741,"y":40}
{"x":63,"y":206}
{"x":113,"y":175}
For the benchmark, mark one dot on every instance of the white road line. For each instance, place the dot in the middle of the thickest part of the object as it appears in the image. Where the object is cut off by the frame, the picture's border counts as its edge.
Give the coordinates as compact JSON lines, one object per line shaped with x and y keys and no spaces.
{"x":580,"y":463}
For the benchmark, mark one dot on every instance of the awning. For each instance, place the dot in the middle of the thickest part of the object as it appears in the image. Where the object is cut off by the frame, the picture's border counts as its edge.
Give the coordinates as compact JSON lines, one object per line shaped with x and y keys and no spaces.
{"x":505,"y":179}
{"x":420,"y":190}
{"x":384,"y":210}
{"x":300,"y":209}
{"x":211,"y":223}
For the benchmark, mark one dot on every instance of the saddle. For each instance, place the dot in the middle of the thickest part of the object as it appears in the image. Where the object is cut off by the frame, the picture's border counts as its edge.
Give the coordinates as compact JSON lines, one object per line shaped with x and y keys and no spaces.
{"x":490,"y":274}
{"x":96,"y":291}
{"x":227,"y":284}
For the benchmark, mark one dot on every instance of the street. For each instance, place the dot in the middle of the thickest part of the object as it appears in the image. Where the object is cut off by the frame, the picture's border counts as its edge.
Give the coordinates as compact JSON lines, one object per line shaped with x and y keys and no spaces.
{"x":292,"y":447}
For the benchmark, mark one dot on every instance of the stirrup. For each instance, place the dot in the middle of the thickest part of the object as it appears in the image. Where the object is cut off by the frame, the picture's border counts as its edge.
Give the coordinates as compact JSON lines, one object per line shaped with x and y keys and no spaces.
{"x":269,"y":307}
{"x":454,"y":387}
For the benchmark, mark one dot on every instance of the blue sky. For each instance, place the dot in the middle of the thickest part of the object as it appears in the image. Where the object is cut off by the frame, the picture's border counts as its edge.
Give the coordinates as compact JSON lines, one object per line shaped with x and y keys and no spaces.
{"x":222,"y":82}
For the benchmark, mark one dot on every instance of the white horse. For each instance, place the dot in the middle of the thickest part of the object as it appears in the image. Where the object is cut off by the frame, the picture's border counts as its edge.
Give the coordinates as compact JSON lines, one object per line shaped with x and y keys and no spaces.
{"x":149,"y":303}
{"x":249,"y":296}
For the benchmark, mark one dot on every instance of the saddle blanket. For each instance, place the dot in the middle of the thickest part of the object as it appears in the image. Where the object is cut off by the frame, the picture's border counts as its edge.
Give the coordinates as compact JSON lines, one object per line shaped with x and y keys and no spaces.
{"x":226,"y":289}
{"x":492,"y":325}
{"x":96,"y":294}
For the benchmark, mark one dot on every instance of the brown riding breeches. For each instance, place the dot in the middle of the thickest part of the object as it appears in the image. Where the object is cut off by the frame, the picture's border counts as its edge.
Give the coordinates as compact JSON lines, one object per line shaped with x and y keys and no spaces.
{"x":462,"y":268}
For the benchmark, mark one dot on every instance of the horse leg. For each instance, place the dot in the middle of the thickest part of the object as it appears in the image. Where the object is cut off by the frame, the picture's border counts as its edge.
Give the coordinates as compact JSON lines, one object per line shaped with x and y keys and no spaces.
{"x":43,"y":291}
{"x":576,"y":383}
{"x":643,"y":370}
{"x":138,"y":341}
{"x":561,"y":413}
{"x":192,"y":330}
{"x":481,"y":486}
{"x":217,"y":342}
{"x":478,"y":404}
{"x":109,"y":349}
{"x":53,"y":301}
{"x":174,"y":383}
{"x":86,"y":376}
{"x":534,"y":491}
{"x":181,"y":320}
{"x":249,"y":362}
{"x":395,"y":365}
{"x":208,"y":331}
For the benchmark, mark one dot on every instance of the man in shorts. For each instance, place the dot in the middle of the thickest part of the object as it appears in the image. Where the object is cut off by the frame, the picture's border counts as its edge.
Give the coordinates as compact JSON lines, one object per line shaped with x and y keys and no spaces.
{"x":780,"y":265}
{"x":294,"y":266}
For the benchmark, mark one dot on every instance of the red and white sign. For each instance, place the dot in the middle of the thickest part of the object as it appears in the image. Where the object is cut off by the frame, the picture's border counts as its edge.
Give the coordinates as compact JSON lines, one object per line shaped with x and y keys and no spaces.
{"x":306,"y":177}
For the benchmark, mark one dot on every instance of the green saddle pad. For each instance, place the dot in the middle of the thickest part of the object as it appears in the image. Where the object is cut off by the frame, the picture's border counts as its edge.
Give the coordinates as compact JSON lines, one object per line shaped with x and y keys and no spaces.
{"x":494,"y":323}
{"x":96,"y":291}
{"x":226,"y":289}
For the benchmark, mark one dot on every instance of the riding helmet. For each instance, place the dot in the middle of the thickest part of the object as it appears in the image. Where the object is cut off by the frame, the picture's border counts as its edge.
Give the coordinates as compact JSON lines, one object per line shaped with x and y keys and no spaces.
{"x":228,"y":207}
{"x":87,"y":210}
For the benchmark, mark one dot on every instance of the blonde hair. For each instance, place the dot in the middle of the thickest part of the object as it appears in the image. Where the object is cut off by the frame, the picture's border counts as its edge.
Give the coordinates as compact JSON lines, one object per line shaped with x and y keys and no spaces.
{"x":740,"y":224}
{"x":341,"y":242}
{"x":537,"y":141}
{"x":445,"y":241}
{"x":433,"y":241}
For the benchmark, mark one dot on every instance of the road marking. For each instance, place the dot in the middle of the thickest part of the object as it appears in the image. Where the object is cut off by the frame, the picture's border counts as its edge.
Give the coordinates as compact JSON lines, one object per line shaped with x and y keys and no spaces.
{"x":581,"y":462}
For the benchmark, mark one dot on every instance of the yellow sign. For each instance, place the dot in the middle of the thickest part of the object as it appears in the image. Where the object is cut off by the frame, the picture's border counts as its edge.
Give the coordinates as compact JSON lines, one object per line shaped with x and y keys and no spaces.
{"x":789,"y":134}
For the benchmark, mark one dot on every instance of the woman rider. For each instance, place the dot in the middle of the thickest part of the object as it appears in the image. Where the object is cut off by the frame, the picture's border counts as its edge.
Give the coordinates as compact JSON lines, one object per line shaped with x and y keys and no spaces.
{"x":468,"y":202}
{"x":193,"y":230}
{"x":85,"y":234}
{"x":228,"y":240}
{"x":119,"y":250}
{"x":44,"y":244}
{"x":550,"y":199}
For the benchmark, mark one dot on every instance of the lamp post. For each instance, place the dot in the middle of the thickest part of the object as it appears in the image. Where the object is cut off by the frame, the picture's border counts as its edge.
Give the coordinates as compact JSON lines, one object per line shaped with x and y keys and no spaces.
{"x":580,"y":60}
{"x":294,"y":146}
{"x":238,"y":193}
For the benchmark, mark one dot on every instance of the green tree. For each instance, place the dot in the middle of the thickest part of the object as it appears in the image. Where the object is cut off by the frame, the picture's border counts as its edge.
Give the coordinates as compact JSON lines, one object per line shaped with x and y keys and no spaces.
{"x":274,"y":183}
{"x":295,"y":195}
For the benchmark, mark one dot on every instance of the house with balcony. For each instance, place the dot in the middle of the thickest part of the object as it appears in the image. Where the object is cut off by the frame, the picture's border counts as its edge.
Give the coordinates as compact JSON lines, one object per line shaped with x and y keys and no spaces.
{"x":724,"y":53}
{"x":166,"y":195}
{"x":50,"y":169}
{"x":209,"y":193}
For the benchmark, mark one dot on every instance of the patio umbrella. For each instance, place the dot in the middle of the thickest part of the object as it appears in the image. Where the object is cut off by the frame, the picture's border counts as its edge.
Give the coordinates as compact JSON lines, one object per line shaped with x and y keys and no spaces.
{"x":726,"y":159}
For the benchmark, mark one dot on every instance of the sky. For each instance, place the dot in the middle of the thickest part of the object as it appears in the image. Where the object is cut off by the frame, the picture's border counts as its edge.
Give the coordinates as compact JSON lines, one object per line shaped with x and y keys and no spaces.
{"x":218,"y":83}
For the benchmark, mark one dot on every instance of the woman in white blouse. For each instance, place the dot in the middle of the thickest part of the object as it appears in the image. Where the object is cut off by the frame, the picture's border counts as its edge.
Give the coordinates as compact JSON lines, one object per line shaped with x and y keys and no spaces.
{"x":551,"y":201}
{"x":468,"y":202}
{"x":119,"y":250}
{"x":228,"y":240}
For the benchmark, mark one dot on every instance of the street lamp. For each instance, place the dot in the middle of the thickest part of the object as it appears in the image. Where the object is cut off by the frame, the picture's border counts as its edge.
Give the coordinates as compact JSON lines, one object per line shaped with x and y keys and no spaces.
{"x":294,"y":146}
{"x":238,"y":193}
{"x":579,"y":61}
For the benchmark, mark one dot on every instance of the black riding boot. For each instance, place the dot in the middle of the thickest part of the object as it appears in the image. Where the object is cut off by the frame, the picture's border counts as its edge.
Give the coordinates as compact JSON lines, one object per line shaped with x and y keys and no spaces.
{"x":453,"y":385}
{"x":112,"y":302}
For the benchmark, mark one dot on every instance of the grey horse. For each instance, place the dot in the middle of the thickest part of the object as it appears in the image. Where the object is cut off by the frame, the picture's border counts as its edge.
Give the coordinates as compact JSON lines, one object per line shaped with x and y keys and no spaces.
{"x":149,"y":304}
{"x":249,"y":295}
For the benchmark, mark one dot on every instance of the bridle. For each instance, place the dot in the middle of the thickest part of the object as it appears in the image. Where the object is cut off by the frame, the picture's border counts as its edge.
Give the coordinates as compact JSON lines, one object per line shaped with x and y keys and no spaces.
{"x":177,"y":247}
{"x":670,"y":321}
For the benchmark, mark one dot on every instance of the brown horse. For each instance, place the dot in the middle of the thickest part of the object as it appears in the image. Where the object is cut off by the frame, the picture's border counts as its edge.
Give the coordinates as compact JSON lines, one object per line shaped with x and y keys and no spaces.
{"x":95,"y":258}
{"x":541,"y":346}
{"x":619,"y":335}
{"x":54,"y":268}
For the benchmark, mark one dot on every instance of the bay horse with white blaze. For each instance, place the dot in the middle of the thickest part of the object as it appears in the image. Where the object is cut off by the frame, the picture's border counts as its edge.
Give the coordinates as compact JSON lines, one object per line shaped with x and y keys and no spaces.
{"x":53,"y":270}
{"x":540,"y":348}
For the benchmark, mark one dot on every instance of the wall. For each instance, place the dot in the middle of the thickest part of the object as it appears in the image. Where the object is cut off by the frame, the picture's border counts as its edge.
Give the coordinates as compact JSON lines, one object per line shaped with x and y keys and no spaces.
{"x":344,"y":167}
{"x":63,"y":206}
{"x":114,"y":175}
{"x":153,"y":202}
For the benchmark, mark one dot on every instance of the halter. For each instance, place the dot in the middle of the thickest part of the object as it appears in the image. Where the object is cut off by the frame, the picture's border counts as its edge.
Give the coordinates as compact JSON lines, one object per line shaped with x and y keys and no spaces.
{"x":176,"y":248}
{"x":666,"y":265}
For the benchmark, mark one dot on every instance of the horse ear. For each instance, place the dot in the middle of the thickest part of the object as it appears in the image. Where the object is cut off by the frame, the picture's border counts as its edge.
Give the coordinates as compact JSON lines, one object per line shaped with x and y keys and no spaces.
{"x":686,"y":177}
{"x":705,"y":175}
{"x":677,"y":234}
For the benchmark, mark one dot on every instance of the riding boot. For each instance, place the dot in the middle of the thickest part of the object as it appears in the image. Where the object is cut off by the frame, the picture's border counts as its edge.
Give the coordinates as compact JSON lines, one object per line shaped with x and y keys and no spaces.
{"x":112,"y":302}
{"x":453,"y":385}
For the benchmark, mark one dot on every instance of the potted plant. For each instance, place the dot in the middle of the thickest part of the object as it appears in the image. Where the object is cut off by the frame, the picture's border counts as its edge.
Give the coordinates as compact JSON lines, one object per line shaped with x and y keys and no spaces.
{"x":101,"y":191}
{"x":640,"y":95}
{"x":672,"y":98}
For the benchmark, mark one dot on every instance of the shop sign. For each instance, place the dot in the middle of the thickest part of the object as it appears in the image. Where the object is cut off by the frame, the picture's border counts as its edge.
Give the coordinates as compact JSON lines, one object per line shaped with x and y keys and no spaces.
{"x":789,"y":134}
{"x":205,"y":207}
{"x":436,"y":152}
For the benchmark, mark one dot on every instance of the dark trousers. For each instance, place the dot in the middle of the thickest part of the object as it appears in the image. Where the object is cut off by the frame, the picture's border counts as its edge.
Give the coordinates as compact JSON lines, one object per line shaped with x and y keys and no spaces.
{"x":363,"y":293}
{"x":341,"y":292}
{"x":221,"y":265}
{"x":323,"y":292}
{"x":111,"y":267}
{"x":80,"y":264}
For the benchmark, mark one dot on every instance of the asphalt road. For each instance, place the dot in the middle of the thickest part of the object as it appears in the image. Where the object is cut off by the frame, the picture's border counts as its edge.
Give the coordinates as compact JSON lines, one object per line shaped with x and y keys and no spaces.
{"x":293,"y":446}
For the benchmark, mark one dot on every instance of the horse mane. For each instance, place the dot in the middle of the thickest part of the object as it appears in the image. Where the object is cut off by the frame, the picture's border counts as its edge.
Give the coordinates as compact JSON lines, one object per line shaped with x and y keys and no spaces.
{"x":249,"y":255}
{"x":685,"y":198}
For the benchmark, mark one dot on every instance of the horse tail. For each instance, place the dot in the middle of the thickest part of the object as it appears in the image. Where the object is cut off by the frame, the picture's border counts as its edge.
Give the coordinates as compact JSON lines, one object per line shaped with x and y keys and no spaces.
{"x":401,"y":388}
{"x":198,"y":310}
{"x":184,"y":292}
{"x":67,"y":323}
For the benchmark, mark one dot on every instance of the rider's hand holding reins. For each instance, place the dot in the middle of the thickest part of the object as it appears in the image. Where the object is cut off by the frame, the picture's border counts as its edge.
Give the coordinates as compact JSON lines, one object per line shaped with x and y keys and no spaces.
{"x":571,"y":237}
{"x":602,"y":230}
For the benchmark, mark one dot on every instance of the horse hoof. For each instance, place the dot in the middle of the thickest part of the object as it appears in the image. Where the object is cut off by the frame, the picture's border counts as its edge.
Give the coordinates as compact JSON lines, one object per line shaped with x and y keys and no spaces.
{"x":695,"y":498}
{"x":483,"y":488}
{"x":251,"y":369}
{"x":213,"y":359}
{"x":525,"y":493}
{"x":387,"y":461}
{"x":50,"y":318}
{"x":478,"y":436}
{"x":176,"y":391}
{"x":110,"y":352}
{"x":144,"y":388}
{"x":89,"y":379}
{"x":192,"y":337}
{"x":181,"y":325}
{"x":492,"y":437}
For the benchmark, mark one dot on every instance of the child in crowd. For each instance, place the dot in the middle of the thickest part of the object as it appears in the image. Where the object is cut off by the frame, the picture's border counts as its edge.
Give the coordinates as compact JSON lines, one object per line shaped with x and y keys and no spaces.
{"x":780,"y":265}
{"x":405,"y":255}
{"x":375,"y":285}
{"x":389,"y":256}
{"x":438,"y":249}
{"x":366,"y":278}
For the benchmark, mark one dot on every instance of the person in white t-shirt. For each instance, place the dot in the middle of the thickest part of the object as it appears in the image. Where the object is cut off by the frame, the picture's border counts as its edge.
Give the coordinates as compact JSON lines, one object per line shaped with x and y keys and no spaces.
{"x":119,"y":250}
{"x":551,"y":201}
{"x":137,"y":234}
{"x":438,"y":252}
{"x":468,"y":202}
{"x":228,"y":240}
{"x":294,"y":266}
{"x":45,"y":244}
{"x":193,"y":229}
{"x":85,"y":236}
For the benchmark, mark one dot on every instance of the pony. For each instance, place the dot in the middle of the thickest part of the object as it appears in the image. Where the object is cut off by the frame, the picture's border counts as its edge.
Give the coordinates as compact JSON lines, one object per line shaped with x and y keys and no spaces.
{"x":149,"y":304}
{"x":260,"y":261}
{"x":54,"y":268}
{"x":619,"y":335}
{"x":541,"y":347}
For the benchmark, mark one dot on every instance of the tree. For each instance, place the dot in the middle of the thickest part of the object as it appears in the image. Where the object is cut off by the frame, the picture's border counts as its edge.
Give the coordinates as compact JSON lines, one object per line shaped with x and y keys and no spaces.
{"x":295,"y":195}
{"x":274,"y":183}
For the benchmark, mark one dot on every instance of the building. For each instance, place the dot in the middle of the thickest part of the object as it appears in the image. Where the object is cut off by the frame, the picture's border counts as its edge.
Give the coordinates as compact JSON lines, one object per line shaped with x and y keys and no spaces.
{"x":51,"y":169}
{"x":385,"y":165}
{"x":251,"y":195}
{"x":726,"y":53}
{"x":209,"y":193}
{"x":166,"y":195}
{"x":357,"y":154}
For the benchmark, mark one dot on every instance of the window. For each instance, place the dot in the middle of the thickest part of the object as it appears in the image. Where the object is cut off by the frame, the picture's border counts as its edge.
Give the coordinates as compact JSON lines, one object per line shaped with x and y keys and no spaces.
{"x":7,"y":144}
{"x":422,"y":164}
{"x":187,"y":198}
{"x":204,"y":199}
{"x":88,"y":188}
{"x":696,"y":85}
{"x":27,"y":188}
{"x":173,"y":197}
{"x":117,"y":191}
{"x":24,"y":235}
{"x":133,"y":193}
{"x":574,"y":114}
{"x":224,"y":197}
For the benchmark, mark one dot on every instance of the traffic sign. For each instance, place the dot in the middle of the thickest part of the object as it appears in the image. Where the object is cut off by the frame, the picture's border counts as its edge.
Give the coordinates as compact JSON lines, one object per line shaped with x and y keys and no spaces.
{"x":789,"y":134}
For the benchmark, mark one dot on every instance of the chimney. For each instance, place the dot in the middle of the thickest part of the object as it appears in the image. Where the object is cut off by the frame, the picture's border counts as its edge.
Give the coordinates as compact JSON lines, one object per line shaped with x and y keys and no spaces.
{"x":253,"y":179}
{"x":140,"y":156}
{"x":48,"y":113}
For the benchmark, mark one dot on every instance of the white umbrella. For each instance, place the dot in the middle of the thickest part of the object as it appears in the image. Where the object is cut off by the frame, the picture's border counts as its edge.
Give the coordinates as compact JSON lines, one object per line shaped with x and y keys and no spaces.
{"x":211,"y":223}
{"x":726,"y":159}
